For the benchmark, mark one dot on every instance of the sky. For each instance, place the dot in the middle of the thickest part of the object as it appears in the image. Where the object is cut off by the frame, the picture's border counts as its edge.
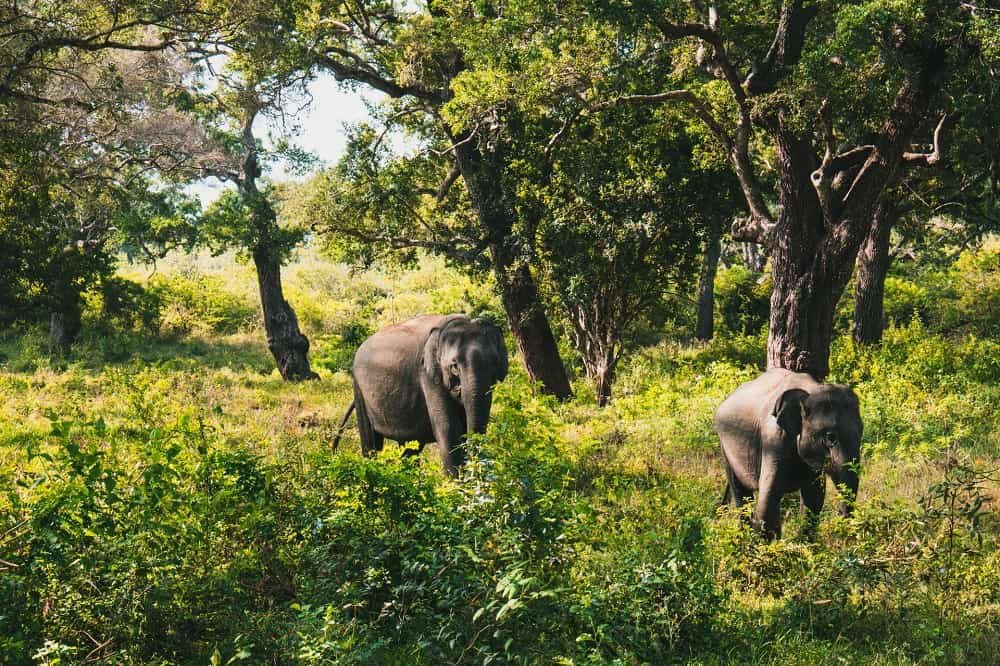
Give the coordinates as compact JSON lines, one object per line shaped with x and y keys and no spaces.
{"x":322,"y":128}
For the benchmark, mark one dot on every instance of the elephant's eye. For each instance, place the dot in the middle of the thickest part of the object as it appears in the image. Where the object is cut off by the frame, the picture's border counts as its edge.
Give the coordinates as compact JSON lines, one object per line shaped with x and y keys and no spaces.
{"x":829,"y":438}
{"x":454,"y":368}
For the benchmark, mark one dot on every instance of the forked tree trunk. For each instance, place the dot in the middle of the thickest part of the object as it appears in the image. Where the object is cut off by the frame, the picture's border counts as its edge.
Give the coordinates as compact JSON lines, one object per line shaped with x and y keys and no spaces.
{"x":286,"y":342}
{"x":869,"y":282}
{"x":705,"y":328}
{"x":597,"y":351}
{"x":816,"y":244}
{"x":603,"y":376}
{"x":809,"y":267}
{"x":522,"y":303}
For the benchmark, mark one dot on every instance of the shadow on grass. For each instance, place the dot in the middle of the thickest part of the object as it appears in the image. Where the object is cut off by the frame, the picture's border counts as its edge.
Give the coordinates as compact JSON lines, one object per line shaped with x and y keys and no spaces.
{"x":98,"y":349}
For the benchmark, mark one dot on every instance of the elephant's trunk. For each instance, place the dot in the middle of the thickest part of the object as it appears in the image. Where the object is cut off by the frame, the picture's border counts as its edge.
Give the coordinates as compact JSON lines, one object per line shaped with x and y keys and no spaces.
{"x":477,"y":400}
{"x":846,"y":479}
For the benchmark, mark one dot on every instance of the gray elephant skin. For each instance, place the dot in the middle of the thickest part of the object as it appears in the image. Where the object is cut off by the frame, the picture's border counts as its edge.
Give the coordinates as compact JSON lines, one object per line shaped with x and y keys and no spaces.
{"x":429,"y":379}
{"x":784,"y":432}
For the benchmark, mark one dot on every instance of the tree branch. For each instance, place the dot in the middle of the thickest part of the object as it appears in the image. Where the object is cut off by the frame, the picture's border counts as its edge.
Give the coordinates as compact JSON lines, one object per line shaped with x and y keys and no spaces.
{"x":935,"y":156}
{"x":786,"y":49}
{"x":445,"y":186}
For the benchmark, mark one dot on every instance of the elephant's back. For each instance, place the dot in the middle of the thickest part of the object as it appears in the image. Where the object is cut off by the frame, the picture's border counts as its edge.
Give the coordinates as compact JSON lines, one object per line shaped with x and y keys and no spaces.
{"x":397,"y":345}
{"x":755,"y":399}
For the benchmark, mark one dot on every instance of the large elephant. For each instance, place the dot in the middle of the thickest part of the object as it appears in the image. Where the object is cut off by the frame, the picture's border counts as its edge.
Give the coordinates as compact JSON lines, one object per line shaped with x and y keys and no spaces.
{"x":429,"y":379}
{"x":779,"y":434}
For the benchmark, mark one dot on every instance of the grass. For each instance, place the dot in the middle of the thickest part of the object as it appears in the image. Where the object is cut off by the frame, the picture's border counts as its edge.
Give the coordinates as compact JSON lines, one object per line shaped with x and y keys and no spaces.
{"x":168,"y":499}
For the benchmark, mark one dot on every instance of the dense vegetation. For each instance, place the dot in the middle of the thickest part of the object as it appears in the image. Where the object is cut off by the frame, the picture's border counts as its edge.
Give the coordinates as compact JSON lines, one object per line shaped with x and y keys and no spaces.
{"x":656,"y":199}
{"x":169,"y":499}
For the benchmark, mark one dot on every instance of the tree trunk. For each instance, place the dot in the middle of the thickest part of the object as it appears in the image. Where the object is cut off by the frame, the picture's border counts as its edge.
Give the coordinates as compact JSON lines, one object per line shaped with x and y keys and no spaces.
{"x":522,"y":303}
{"x":706,"y":285}
{"x":529,"y":324}
{"x":284,"y":339}
{"x":65,"y":322}
{"x":869,"y":286}
{"x":809,"y":268}
{"x":817,"y":242}
{"x":603,"y":376}
{"x":753,"y":256}
{"x":288,"y":345}
{"x":64,"y":327}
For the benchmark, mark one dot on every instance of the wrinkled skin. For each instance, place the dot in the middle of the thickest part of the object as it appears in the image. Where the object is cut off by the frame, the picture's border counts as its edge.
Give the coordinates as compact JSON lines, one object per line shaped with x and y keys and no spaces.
{"x":783,"y":432}
{"x":428,"y":379}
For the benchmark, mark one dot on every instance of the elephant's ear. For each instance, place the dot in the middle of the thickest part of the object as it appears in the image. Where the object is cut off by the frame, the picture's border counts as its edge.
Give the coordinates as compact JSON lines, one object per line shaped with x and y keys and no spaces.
{"x":788,"y":410}
{"x":431,"y":361}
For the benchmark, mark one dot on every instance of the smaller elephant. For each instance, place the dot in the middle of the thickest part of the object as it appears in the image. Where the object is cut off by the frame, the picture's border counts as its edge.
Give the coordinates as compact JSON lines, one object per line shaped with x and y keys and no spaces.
{"x":779,"y":433}
{"x":429,"y":379}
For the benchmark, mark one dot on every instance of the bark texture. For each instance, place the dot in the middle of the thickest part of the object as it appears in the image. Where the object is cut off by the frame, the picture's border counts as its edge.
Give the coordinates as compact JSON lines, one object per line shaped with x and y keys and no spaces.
{"x":869,"y":282}
{"x":705,"y":328}
{"x":285,"y":341}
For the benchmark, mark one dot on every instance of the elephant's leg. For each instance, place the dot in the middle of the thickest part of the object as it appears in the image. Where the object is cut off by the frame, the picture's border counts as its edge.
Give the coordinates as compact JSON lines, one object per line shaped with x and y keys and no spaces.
{"x":448,"y":425}
{"x":767,"y":516}
{"x":735,"y":493}
{"x":812,"y":495}
{"x":371,"y":441}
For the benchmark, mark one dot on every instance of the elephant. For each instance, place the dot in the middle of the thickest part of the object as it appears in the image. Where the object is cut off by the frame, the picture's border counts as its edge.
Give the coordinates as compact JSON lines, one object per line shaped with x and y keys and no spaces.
{"x":429,"y":379}
{"x":779,"y":433}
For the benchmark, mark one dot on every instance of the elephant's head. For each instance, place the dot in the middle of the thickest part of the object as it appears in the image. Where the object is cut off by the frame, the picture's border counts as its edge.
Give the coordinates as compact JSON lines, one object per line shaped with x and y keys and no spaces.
{"x":468,"y":356}
{"x":826,"y":425}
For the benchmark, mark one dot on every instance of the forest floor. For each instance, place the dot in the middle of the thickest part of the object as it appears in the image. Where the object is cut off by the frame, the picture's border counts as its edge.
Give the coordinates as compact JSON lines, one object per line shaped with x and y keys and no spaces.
{"x":166,"y":498}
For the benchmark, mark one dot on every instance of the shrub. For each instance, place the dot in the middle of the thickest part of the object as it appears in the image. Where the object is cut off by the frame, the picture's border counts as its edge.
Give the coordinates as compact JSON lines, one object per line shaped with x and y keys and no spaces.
{"x":744,"y":299}
{"x":336,"y":352}
{"x":126,"y":305}
{"x":905,"y":300}
{"x":196,"y":303}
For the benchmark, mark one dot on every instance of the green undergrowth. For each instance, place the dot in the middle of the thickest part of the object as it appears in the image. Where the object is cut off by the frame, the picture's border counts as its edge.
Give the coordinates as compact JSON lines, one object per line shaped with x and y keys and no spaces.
{"x":167,"y":499}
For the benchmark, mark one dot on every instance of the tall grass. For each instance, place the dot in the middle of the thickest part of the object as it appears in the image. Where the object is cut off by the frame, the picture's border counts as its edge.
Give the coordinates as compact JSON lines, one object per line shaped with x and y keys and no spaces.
{"x":167,"y":499}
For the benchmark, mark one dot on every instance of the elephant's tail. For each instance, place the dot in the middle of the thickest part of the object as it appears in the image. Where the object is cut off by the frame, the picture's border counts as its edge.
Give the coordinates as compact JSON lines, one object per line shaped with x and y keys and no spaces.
{"x":343,"y":424}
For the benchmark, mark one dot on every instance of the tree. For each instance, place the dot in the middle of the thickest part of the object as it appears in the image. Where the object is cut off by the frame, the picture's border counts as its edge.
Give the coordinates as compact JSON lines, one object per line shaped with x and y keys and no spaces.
{"x":426,"y":57}
{"x":216,"y":138}
{"x":625,"y":209}
{"x":70,"y":197}
{"x":956,"y":178}
{"x":71,"y":75}
{"x":46,"y":45}
{"x":838,"y":92}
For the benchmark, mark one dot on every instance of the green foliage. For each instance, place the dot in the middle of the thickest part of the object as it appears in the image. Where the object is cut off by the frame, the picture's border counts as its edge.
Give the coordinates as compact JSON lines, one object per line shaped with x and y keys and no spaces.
{"x":184,"y":507}
{"x":743,"y":299}
{"x":195,"y":303}
{"x":126,"y":305}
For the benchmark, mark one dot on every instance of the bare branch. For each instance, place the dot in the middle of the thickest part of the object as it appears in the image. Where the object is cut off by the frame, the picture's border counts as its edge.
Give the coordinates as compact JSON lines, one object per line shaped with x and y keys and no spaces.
{"x":934,"y":156}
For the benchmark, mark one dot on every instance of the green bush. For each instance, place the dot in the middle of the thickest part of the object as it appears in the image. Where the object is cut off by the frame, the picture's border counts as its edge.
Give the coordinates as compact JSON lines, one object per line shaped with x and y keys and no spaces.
{"x":194,"y":303}
{"x":126,"y":305}
{"x":905,"y":300}
{"x":743,"y":298}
